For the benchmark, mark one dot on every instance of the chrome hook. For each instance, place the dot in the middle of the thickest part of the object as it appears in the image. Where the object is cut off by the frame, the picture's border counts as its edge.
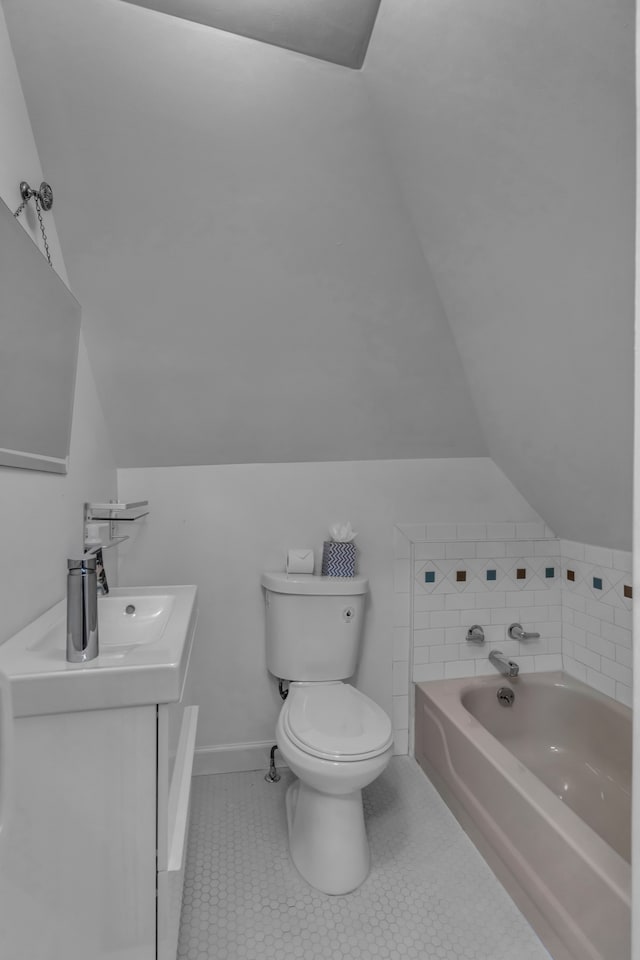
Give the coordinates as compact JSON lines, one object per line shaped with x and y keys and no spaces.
{"x":44,"y":195}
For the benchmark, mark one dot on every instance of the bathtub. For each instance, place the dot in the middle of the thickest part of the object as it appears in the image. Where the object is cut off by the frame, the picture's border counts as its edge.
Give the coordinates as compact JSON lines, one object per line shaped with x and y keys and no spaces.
{"x":543,"y":787}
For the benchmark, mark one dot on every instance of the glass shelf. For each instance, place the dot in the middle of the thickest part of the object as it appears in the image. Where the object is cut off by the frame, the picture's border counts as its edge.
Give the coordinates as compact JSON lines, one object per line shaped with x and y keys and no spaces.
{"x":113,"y":513}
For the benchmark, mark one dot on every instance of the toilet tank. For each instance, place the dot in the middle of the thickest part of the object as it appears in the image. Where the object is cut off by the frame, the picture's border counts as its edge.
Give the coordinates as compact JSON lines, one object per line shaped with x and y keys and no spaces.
{"x":313,"y":625}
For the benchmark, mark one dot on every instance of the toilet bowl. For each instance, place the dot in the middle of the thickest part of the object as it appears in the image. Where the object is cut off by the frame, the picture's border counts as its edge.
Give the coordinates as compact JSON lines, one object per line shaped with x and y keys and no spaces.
{"x":336,"y":741}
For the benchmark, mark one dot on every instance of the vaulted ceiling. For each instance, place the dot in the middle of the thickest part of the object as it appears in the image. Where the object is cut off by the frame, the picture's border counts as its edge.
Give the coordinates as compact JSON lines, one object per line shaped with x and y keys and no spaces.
{"x":282,"y":259}
{"x":332,"y":30}
{"x":512,"y":130}
{"x":252,"y":284}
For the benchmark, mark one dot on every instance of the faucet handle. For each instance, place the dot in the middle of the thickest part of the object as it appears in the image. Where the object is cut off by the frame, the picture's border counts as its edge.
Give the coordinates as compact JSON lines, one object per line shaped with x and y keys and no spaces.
{"x":475,"y":634}
{"x":516,"y":632}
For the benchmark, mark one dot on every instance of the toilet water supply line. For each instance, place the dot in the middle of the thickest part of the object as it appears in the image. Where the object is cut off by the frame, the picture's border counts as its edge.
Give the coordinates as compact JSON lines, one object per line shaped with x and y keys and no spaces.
{"x":273,"y":776}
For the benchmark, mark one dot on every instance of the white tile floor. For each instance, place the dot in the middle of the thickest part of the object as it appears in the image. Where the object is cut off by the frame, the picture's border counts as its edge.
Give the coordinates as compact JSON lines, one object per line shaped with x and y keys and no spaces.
{"x":429,"y":896}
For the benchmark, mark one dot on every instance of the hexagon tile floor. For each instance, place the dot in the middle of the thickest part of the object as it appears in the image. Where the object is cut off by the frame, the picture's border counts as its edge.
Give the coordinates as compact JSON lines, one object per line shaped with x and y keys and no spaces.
{"x":429,"y":895}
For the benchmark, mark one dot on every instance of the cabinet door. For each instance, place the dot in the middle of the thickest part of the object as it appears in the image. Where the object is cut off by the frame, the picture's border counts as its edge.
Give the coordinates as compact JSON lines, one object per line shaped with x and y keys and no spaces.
{"x":175,"y":769}
{"x":77,"y":870}
{"x":6,"y":753}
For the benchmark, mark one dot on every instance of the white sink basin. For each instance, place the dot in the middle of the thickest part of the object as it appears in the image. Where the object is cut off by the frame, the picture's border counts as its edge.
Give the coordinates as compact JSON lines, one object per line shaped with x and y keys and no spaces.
{"x":145,"y":635}
{"x":136,"y":619}
{"x":122,"y":622}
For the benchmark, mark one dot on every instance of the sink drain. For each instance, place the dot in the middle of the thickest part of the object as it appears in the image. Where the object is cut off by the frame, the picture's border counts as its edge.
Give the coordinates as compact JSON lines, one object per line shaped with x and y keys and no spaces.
{"x":506,"y":696}
{"x":130,"y":609}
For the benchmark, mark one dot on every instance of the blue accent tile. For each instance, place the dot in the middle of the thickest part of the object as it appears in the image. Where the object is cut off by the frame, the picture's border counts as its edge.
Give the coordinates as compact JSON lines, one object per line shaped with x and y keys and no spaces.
{"x":430,"y":577}
{"x":492,"y":574}
{"x":549,"y":572}
{"x":597,"y":583}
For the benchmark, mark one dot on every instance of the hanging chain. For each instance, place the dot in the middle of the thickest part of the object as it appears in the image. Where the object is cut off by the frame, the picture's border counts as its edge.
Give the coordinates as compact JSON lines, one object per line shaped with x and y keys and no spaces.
{"x":44,"y":236}
{"x":20,"y":209}
{"x":44,"y":197}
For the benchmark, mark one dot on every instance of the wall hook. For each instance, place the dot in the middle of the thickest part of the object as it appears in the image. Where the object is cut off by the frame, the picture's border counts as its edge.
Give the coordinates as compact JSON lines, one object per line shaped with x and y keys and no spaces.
{"x":44,"y":194}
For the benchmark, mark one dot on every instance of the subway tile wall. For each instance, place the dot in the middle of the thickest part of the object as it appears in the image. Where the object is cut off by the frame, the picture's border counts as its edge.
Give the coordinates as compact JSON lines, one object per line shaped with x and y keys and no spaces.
{"x":451,"y":576}
{"x":596,"y":618}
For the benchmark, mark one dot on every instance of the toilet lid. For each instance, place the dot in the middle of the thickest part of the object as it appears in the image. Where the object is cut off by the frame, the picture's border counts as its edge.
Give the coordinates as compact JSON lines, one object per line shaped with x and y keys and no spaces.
{"x":337,"y":722}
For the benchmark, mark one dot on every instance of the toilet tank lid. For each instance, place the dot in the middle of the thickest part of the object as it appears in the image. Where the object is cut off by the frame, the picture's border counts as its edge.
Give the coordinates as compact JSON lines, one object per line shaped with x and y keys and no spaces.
{"x":308,"y":583}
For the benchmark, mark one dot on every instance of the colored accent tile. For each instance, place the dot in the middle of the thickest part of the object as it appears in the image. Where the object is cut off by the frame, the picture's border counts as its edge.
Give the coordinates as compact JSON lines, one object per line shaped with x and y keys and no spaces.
{"x":571,"y":575}
{"x":628,"y":591}
{"x":492,"y":574}
{"x":597,"y":583}
{"x":549,"y":572}
{"x":521,"y":573}
{"x":430,"y":576}
{"x":461,"y":576}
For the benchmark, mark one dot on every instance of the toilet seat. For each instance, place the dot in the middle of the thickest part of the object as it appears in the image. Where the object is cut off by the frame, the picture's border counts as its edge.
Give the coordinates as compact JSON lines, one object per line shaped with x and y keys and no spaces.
{"x":334,"y":721}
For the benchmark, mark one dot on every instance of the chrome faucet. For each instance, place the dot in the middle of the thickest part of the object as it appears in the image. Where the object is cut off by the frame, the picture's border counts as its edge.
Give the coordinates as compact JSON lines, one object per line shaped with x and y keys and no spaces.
{"x":508,"y":668}
{"x":82,"y":610}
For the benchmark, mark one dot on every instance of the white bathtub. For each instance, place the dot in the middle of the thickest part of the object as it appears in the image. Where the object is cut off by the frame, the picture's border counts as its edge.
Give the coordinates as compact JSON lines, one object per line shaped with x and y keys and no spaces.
{"x":543,"y":788}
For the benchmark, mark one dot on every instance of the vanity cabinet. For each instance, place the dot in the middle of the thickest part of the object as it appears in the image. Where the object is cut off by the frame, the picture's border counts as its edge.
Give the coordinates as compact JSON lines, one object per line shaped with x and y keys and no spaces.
{"x":95,"y":828}
{"x":93,"y":861}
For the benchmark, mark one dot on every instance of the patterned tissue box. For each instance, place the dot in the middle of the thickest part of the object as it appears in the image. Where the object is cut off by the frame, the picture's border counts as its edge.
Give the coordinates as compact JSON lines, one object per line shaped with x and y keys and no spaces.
{"x":338,"y":559}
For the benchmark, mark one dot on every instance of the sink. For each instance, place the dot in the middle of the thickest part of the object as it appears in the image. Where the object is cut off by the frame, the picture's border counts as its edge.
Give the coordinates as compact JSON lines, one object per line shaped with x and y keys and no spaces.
{"x":145,"y":636}
{"x":123,"y":621}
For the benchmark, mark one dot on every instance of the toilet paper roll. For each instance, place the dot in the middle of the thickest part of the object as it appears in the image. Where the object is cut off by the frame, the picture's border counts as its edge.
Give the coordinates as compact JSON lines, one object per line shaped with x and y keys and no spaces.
{"x":96,"y":533}
{"x":300,"y":560}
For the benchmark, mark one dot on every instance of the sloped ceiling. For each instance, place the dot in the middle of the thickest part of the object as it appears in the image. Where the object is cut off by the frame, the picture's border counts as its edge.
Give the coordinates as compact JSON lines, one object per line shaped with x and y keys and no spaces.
{"x":512,"y":127}
{"x":253,"y":288}
{"x":331,"y":30}
{"x":268,"y":249}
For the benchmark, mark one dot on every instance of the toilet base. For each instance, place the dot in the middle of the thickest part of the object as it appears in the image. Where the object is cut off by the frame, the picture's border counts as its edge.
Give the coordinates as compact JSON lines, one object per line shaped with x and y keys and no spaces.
{"x":327,"y":838}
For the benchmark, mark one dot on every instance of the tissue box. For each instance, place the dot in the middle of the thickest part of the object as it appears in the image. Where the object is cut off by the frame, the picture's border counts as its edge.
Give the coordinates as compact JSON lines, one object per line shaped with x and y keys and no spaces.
{"x":338,"y":559}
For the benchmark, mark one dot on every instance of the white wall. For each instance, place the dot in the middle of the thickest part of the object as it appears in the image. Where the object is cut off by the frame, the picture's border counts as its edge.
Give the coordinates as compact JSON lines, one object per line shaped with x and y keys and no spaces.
{"x":248,"y":219}
{"x":254,"y":284}
{"x":221,"y":526}
{"x":635,"y":809}
{"x":512,"y":131}
{"x":42,"y":513}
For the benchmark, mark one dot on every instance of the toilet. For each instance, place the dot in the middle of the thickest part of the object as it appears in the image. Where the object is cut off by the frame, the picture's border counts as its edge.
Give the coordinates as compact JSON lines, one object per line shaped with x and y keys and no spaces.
{"x":335,"y":739}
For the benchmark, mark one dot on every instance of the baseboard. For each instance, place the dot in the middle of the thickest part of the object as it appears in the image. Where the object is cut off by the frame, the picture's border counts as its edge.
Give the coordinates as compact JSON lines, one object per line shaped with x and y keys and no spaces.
{"x":234,"y":758}
{"x":238,"y":757}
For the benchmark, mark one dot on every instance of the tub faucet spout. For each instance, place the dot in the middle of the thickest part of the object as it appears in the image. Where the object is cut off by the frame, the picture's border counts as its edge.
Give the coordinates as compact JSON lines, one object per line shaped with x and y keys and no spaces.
{"x":508,"y":668}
